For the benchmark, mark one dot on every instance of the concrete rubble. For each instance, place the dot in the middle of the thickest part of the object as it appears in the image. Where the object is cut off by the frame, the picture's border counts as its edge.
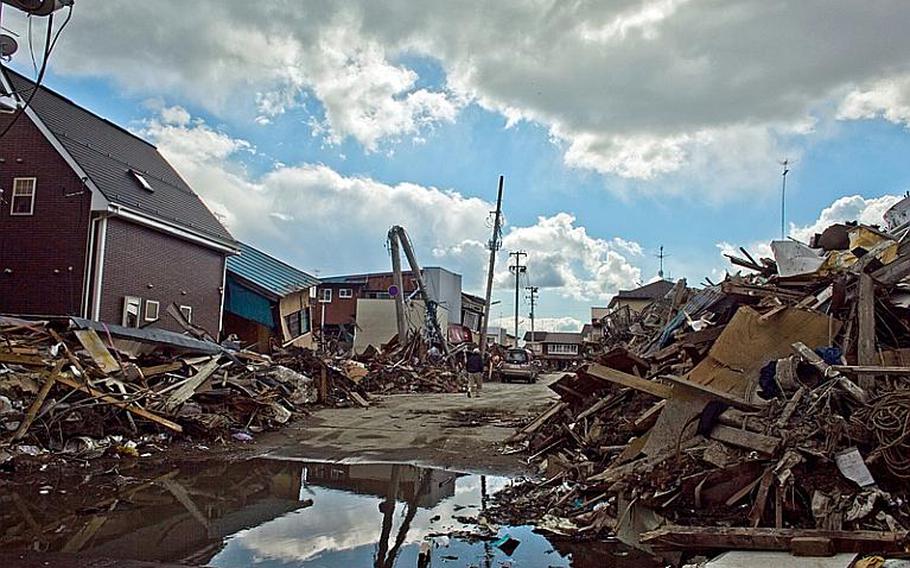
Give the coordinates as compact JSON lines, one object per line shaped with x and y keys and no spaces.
{"x":769,"y":411}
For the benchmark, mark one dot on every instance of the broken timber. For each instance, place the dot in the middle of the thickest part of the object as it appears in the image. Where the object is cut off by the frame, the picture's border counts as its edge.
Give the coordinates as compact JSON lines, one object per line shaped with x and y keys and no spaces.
{"x":109,"y":399}
{"x":742,"y":538}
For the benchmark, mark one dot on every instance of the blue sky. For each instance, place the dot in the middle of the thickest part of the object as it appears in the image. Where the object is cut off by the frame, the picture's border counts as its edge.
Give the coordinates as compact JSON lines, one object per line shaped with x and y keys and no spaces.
{"x":618,"y":128}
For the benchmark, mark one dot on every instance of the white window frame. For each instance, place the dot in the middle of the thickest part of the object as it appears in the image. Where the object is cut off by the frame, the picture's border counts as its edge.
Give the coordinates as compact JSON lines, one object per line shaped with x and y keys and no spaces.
{"x":143,"y":183}
{"x":345,"y":293}
{"x":127,"y":301}
{"x":149,"y":304}
{"x":326,"y":296}
{"x":563,"y":349}
{"x":14,"y":195}
{"x":187,"y":312}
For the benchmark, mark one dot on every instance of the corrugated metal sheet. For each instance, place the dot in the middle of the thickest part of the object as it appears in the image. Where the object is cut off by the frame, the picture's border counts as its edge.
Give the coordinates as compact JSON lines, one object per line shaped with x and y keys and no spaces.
{"x":269,"y":273}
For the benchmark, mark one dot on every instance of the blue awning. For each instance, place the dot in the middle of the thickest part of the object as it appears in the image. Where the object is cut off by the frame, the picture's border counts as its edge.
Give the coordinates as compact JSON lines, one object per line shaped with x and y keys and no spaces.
{"x":246,"y":303}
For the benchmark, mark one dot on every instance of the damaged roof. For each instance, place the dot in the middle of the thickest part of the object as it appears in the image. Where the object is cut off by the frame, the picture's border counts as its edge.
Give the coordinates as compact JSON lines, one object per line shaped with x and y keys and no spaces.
{"x":553,"y":337}
{"x":653,"y":291}
{"x":269,"y":273}
{"x":111,"y":156}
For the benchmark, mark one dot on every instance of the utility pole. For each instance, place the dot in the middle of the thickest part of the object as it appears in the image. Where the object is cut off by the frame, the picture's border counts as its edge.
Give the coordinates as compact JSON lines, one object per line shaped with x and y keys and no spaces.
{"x":783,"y":194}
{"x":517,"y":268}
{"x":494,"y":246}
{"x":532,"y":298}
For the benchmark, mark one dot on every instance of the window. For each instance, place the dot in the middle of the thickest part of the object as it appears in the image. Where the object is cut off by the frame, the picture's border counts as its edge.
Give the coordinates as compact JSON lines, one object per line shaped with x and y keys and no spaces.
{"x":22,"y":201}
{"x":298,"y":323}
{"x":143,"y":183}
{"x":345,"y":293}
{"x":563,"y":349}
{"x":326,"y":297}
{"x":130,"y":315}
{"x":187,"y":312}
{"x":534,"y":347}
{"x":151,"y":310}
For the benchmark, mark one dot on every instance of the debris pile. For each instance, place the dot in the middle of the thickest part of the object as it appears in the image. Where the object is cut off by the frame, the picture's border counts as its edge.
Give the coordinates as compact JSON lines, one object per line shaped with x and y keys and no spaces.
{"x":767,"y":411}
{"x":406,"y":368}
{"x":72,"y":383}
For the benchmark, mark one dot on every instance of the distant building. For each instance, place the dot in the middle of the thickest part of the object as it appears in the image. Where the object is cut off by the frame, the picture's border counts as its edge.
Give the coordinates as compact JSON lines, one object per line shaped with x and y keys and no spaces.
{"x":340,"y":298}
{"x":94,"y":222}
{"x":499,"y":336}
{"x":556,"y":349}
{"x":640,"y":298}
{"x":268,"y":302}
{"x":472,"y":308}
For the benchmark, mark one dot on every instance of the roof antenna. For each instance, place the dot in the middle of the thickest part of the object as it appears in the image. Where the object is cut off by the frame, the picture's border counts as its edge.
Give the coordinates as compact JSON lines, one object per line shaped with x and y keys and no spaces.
{"x":660,"y":255}
{"x":783,"y":196}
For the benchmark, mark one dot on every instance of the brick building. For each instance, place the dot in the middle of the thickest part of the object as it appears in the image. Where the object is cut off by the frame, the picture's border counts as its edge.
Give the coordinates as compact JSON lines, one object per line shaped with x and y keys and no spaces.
{"x":94,"y":222}
{"x":336,"y":313}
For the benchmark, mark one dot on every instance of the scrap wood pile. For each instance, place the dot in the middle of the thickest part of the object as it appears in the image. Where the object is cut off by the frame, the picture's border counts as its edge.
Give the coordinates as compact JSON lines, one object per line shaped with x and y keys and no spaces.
{"x":69,"y":383}
{"x":404,"y":368}
{"x":769,"y":411}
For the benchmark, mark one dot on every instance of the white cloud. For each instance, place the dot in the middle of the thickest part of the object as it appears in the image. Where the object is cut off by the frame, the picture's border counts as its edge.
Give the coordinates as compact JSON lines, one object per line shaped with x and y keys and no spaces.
{"x":887,"y":98}
{"x":866,"y":210}
{"x":566,"y":258}
{"x":568,"y":324}
{"x":325,"y":220}
{"x":659,"y":90}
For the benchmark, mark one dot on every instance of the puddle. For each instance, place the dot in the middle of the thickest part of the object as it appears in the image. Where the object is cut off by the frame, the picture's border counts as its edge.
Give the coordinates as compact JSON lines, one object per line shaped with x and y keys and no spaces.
{"x":280,"y":514}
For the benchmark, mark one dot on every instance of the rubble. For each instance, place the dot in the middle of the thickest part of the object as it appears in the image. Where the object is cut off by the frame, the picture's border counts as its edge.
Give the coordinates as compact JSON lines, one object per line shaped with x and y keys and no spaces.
{"x":78,"y":387}
{"x":769,"y":411}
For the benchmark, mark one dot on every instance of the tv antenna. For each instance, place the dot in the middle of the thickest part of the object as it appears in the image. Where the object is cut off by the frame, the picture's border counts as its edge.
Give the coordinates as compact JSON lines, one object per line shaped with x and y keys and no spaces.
{"x":785,"y":164}
{"x":661,"y":256}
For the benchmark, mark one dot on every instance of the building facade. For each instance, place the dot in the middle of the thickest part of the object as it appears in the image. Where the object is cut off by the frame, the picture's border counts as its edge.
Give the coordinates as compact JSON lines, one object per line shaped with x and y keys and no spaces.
{"x":94,"y":222}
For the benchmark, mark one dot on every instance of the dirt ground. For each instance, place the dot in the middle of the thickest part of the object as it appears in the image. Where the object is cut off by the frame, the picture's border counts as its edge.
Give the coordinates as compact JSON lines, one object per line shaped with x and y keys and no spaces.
{"x":434,"y":430}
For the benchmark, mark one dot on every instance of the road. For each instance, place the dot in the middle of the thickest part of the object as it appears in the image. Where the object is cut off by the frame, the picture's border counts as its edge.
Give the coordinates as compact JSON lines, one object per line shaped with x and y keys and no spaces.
{"x":434,"y":430}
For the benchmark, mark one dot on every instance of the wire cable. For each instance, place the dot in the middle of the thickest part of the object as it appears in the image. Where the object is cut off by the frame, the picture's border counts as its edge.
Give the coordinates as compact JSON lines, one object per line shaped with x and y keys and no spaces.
{"x":50,"y":41}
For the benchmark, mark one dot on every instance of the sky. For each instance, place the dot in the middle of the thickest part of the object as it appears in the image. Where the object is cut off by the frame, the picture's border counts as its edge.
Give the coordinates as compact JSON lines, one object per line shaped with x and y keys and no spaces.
{"x":312,"y":127}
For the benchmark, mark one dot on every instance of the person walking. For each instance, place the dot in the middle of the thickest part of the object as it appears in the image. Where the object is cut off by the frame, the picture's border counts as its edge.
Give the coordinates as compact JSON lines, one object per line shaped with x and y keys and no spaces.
{"x":474,"y":367}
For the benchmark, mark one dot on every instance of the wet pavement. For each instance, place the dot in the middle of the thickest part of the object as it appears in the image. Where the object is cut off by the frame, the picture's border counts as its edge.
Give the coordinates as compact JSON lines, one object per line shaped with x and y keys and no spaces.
{"x":280,"y":514}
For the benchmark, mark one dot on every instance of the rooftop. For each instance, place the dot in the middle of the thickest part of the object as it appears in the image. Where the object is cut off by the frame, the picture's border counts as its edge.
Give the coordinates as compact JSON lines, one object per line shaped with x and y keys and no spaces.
{"x":269,"y":273}
{"x":112,"y":157}
{"x":653,"y":291}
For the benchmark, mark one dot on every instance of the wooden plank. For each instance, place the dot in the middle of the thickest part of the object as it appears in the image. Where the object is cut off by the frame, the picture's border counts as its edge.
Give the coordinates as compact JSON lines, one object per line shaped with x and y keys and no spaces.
{"x":625,"y":379}
{"x":745,"y":439}
{"x":541,"y":419}
{"x":790,"y":407}
{"x":710,"y":392}
{"x":744,"y":538}
{"x":870,"y":369}
{"x":865,"y":319}
{"x":20,"y":359}
{"x":156,"y":370}
{"x":97,"y":350}
{"x":38,"y":402}
{"x":894,"y":272}
{"x":648,"y":417}
{"x":188,"y":388}
{"x":104,"y":397}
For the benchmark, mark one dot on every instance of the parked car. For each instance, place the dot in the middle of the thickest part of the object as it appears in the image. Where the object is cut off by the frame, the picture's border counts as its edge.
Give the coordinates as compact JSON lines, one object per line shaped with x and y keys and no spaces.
{"x":519,"y":364}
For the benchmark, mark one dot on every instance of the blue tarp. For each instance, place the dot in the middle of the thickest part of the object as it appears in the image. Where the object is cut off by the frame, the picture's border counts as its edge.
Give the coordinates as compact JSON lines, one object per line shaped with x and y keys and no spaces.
{"x":248,"y":304}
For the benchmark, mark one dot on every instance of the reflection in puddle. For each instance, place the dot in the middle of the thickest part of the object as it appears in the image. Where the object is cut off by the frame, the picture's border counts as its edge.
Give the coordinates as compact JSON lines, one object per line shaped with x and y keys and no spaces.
{"x":283,"y":514}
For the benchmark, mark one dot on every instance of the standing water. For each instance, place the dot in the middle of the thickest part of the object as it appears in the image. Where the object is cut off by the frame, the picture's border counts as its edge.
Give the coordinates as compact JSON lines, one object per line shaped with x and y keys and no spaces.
{"x":293,"y":514}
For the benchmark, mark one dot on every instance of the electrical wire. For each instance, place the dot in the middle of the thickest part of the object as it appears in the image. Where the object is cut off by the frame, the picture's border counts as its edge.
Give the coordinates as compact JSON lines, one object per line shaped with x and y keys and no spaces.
{"x":50,"y":41}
